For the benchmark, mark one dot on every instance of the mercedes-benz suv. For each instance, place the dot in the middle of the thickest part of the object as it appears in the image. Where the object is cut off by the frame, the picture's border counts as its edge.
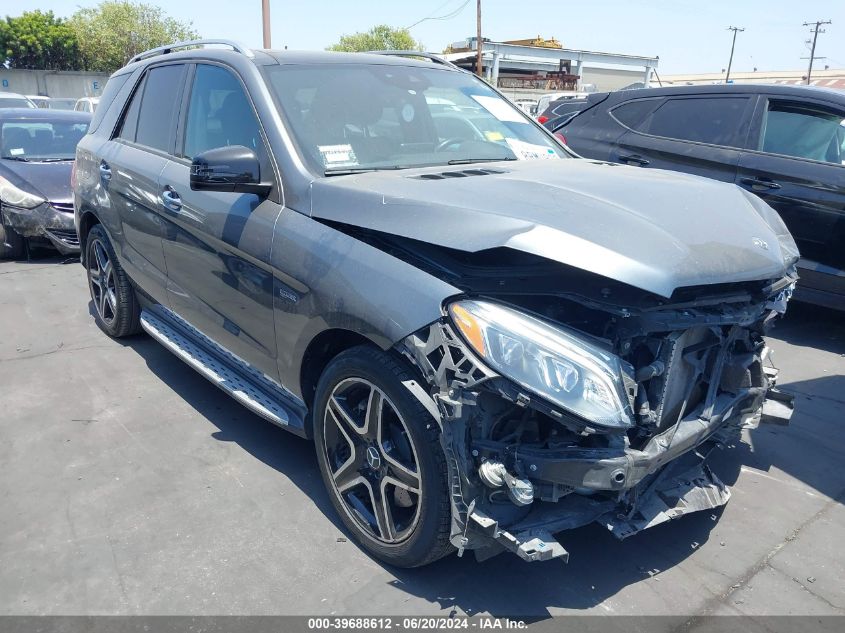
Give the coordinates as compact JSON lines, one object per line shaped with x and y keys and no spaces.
{"x":489,"y":339}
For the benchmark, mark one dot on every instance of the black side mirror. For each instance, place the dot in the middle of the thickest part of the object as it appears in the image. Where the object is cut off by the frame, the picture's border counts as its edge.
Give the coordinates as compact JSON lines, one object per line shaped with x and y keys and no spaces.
{"x":232,"y":168}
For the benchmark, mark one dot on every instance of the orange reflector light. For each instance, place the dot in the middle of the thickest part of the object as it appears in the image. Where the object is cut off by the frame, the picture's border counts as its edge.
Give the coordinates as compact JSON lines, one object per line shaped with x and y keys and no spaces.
{"x":468,"y":325}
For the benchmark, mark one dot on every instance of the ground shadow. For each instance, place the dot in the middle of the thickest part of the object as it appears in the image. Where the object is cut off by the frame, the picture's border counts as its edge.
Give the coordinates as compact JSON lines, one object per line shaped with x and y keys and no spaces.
{"x":812,"y":326}
{"x":279,"y":449}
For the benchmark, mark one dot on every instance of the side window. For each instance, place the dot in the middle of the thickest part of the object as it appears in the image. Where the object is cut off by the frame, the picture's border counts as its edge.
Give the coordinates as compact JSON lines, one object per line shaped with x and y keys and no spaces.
{"x":219,"y":114}
{"x":707,"y":120}
{"x":130,"y":118}
{"x":632,"y":113}
{"x":160,"y":107}
{"x":804,"y":131}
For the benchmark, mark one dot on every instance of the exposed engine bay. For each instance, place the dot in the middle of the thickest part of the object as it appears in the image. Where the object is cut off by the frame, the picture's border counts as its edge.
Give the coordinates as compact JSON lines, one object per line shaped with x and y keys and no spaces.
{"x":694,"y":369}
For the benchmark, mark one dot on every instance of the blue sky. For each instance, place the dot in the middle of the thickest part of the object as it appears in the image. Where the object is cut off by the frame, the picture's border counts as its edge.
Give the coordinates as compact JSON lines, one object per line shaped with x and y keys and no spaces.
{"x":689,"y":36}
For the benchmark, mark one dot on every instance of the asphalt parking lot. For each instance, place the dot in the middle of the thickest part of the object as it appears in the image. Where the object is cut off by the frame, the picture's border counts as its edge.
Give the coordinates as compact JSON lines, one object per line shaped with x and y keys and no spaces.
{"x":130,"y":485}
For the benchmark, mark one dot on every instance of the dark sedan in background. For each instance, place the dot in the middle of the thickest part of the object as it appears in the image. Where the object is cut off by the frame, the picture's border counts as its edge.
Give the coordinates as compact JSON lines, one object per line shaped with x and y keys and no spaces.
{"x":37,"y":149}
{"x":784,"y":143}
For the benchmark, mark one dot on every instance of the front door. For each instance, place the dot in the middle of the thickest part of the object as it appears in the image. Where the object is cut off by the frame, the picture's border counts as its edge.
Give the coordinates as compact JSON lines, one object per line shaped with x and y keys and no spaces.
{"x":217,"y":245}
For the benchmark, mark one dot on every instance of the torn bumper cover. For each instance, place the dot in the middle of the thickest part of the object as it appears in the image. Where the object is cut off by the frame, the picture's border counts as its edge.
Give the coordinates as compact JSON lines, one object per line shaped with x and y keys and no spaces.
{"x":573,"y":477}
{"x":49,"y":220}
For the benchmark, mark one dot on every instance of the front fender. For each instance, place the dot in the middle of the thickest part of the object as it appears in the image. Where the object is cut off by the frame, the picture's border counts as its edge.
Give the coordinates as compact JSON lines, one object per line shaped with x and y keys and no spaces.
{"x":326,"y":279}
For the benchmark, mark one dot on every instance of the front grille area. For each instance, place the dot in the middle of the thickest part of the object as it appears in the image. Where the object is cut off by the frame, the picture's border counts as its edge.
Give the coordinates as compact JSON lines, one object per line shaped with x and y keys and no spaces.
{"x":68,"y":236}
{"x":697,"y":366}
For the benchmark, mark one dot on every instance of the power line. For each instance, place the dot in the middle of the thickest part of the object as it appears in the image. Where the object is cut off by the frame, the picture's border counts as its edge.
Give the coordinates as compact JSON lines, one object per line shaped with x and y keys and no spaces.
{"x":446,"y":16}
{"x":736,"y":30}
{"x":815,"y":31}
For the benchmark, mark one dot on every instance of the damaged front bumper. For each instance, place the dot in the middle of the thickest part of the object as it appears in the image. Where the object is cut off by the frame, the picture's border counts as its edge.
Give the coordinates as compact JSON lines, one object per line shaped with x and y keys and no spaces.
{"x":50,"y":221}
{"x":624,"y":487}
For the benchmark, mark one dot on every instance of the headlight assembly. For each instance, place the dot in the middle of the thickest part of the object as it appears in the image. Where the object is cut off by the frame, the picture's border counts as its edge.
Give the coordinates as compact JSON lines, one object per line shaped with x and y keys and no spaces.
{"x":14,"y":197}
{"x":555,"y":364}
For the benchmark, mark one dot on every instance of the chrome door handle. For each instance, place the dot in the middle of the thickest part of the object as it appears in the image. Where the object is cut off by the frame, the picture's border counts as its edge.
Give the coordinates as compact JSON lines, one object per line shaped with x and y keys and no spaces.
{"x":170,"y":199}
{"x":105,"y":170}
{"x":634,"y":159}
{"x":760,"y":183}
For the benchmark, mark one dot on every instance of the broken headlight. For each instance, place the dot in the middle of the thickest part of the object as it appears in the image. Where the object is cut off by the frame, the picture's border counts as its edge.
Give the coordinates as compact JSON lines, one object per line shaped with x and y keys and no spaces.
{"x":555,"y":364}
{"x":14,"y":197}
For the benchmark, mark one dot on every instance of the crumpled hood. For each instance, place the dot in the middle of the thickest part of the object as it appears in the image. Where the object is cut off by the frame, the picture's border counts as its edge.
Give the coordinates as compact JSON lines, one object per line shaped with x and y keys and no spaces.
{"x":652,"y":229}
{"x":49,"y":180}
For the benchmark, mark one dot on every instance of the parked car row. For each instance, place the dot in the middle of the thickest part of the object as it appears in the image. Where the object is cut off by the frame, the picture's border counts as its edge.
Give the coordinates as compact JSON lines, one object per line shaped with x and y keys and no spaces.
{"x":37,"y":150}
{"x":12,"y":100}
{"x":785,"y":144}
{"x":489,"y":339}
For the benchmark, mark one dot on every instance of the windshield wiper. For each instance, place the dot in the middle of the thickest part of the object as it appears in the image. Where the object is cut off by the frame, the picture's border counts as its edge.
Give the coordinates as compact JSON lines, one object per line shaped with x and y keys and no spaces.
{"x":22,"y":159}
{"x":469,"y":161}
{"x":346,"y":171}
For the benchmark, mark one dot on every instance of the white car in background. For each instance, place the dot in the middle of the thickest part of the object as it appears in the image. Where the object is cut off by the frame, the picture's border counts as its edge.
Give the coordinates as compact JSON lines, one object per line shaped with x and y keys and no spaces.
{"x":39,"y":100}
{"x":529,"y":106}
{"x":14,"y":100}
{"x":62,"y":103}
{"x":87,"y":104}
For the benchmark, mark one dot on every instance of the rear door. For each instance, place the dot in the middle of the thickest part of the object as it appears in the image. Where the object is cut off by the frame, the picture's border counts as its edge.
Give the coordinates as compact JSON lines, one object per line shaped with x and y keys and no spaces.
{"x":217,"y":244}
{"x":694,"y":134}
{"x":129,"y":169}
{"x":796,"y":163}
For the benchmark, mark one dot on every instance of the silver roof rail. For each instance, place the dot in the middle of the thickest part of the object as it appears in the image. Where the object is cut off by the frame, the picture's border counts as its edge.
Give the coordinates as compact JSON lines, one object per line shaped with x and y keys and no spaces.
{"x":431,"y":56}
{"x":169,"y":48}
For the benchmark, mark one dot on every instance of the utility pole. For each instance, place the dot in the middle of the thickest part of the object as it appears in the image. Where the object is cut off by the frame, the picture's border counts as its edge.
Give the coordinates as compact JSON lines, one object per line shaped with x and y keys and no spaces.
{"x":478,"y":38}
{"x":736,"y":30}
{"x":815,"y":31}
{"x":265,"y":19}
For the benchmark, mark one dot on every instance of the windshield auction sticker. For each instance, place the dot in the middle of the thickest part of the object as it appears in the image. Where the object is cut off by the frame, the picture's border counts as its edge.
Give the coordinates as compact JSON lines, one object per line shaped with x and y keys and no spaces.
{"x":530,"y":151}
{"x":338,"y":155}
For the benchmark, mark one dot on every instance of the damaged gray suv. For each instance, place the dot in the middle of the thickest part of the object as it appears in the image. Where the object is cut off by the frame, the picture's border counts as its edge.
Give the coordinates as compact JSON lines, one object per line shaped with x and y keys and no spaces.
{"x":489,"y":340}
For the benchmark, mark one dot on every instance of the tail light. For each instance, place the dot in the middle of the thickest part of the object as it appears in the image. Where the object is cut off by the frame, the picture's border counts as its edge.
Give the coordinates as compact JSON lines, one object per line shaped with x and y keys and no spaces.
{"x":561,"y":137}
{"x":542,"y":118}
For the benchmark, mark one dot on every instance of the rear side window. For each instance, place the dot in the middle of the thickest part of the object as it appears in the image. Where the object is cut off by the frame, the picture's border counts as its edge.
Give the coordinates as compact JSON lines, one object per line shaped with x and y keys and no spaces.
{"x":711,"y":120}
{"x":632,"y":113}
{"x":160,"y":107}
{"x":804,"y":131}
{"x":130,"y":119}
{"x":113,"y":86}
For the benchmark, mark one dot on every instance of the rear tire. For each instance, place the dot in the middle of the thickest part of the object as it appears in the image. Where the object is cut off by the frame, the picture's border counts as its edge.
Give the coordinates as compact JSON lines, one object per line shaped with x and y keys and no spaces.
{"x":116,"y":308}
{"x":381,"y":460}
{"x":12,"y":244}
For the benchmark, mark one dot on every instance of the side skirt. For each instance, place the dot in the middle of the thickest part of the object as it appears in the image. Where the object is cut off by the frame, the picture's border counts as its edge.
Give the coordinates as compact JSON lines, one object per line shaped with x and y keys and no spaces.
{"x":231,"y":374}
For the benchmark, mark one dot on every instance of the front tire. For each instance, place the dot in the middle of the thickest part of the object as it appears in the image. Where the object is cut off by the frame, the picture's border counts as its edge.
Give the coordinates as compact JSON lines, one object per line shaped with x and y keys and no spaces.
{"x":116,"y":308}
{"x":380,"y":457}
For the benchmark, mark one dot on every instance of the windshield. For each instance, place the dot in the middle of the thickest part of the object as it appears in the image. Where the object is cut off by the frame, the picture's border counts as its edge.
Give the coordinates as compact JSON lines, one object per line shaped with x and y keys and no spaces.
{"x":40,"y":140}
{"x":348,"y":118}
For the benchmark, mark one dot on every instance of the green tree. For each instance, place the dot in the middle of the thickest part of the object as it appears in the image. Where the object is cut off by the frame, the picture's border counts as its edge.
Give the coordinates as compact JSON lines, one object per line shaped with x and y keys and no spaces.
{"x":38,"y":40}
{"x":378,"y":38}
{"x":114,"y":31}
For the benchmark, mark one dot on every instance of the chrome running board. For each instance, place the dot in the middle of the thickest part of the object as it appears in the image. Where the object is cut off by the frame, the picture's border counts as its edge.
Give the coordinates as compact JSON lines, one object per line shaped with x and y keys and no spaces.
{"x":245,"y":384}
